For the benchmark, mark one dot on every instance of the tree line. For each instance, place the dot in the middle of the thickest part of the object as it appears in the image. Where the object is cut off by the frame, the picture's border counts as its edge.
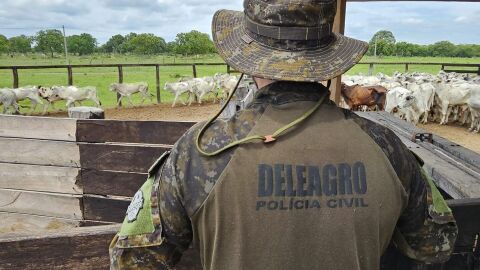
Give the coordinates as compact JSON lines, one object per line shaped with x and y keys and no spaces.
{"x":383,"y":43}
{"x":51,"y":41}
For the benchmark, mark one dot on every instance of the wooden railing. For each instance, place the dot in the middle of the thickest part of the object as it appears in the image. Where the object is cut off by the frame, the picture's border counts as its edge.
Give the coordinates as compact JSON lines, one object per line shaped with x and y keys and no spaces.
{"x":444,"y":66}
{"x":70,"y":78}
{"x":74,"y":172}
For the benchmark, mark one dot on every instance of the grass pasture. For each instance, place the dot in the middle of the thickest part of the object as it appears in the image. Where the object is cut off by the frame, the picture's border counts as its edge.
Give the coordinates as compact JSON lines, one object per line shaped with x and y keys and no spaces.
{"x":103,"y":77}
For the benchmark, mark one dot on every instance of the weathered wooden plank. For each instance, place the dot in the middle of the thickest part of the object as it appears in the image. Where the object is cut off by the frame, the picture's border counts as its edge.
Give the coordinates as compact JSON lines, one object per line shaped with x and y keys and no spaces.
{"x":456,"y":182}
{"x":26,"y":223}
{"x":465,"y":155}
{"x":467,"y":215}
{"x":448,"y":171}
{"x":119,"y":157}
{"x":148,"y":132}
{"x":84,"y":112}
{"x":41,"y":203}
{"x":40,"y":178}
{"x":39,"y":152}
{"x":111,"y":182}
{"x":105,"y":208}
{"x":79,"y":248}
{"x":48,"y":128}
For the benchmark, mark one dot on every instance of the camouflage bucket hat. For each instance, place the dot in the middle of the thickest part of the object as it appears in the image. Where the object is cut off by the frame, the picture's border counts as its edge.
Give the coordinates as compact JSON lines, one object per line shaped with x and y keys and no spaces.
{"x":289,"y":40}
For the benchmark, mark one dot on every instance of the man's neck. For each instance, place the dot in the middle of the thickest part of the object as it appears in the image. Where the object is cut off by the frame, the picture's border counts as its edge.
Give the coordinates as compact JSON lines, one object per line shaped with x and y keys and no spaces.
{"x":261,"y":82}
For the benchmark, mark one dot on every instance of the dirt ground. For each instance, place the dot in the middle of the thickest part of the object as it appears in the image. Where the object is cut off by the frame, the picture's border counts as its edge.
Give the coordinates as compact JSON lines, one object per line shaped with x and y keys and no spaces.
{"x":452,"y":132}
{"x":455,"y":133}
{"x":165,"y":112}
{"x":158,"y":112}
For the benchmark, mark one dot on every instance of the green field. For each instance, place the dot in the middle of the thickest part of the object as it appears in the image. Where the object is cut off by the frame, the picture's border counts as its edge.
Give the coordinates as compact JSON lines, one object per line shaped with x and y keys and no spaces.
{"x":103,"y":77}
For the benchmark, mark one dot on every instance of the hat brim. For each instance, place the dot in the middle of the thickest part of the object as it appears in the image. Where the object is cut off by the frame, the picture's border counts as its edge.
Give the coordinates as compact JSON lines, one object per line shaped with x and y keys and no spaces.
{"x":254,"y":58}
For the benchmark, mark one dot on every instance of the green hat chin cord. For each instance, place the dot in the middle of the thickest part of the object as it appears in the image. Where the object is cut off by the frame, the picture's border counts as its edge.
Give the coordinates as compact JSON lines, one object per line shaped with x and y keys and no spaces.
{"x":265,"y":138}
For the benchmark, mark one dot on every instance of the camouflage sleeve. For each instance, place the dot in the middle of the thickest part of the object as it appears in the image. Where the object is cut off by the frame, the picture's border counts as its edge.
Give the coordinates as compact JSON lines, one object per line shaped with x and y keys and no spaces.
{"x":156,"y":229}
{"x":426,"y":231}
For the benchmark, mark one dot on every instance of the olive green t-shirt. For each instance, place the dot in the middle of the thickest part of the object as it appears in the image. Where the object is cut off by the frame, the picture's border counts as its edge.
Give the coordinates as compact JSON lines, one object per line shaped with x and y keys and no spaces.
{"x":330,"y":194}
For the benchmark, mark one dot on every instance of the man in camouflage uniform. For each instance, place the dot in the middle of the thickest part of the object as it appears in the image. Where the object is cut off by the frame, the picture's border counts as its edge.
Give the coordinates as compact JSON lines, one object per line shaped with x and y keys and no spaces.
{"x":326,"y":189}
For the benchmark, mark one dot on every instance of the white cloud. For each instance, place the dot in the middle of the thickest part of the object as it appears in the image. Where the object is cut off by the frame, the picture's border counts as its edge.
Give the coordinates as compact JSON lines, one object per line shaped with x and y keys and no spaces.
{"x":413,"y":22}
{"x":423,"y":23}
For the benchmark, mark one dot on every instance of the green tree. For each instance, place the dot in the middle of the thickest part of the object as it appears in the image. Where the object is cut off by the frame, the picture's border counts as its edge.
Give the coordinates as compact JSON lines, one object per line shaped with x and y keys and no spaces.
{"x":171,"y":46}
{"x":49,"y":41}
{"x":442,"y":48}
{"x":127,"y":45}
{"x":384,"y":35}
{"x":81,"y":44}
{"x":146,"y":44}
{"x":385,"y":43}
{"x":404,"y":49}
{"x":114,"y":44}
{"x":193,"y":42}
{"x":465,"y":50}
{"x":20,"y":44}
{"x":4,"y":44}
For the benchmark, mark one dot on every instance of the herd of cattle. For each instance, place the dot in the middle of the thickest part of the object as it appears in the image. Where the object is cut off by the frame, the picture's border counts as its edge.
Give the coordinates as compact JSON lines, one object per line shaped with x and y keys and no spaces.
{"x":220,"y":86}
{"x":415,"y":97}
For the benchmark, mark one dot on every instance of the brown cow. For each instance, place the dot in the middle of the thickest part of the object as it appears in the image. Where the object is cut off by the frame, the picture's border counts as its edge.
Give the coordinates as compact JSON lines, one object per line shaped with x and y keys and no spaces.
{"x":357,"y":96}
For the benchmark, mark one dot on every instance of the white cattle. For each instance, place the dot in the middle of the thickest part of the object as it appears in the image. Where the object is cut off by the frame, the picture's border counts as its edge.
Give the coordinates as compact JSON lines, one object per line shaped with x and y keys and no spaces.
{"x":47,"y":94}
{"x":28,"y":92}
{"x":474,"y":106}
{"x":128,"y":89}
{"x":226,"y":83}
{"x":394,"y":98}
{"x":72,"y":94}
{"x":202,"y":86}
{"x":449,"y":95}
{"x":424,"y":95}
{"x":178,"y":89}
{"x":7,"y":99}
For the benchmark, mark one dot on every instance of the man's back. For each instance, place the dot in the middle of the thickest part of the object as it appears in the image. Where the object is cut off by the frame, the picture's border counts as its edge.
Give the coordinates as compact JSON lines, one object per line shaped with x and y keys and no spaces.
{"x":327,"y":194}
{"x":323,"y":195}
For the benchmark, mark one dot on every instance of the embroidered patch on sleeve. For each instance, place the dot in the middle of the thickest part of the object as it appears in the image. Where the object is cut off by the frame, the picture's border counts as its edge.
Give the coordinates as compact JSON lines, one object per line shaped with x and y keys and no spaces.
{"x":135,"y":206}
{"x":138,"y":218}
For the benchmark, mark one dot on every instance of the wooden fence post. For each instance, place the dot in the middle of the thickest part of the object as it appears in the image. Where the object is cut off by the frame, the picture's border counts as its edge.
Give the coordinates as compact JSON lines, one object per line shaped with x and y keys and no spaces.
{"x":194,"y":67}
{"x":406,"y":67}
{"x":120,"y":80}
{"x":228,"y":69}
{"x":478,"y":72}
{"x":157,"y":77}
{"x":70,"y":75}
{"x":15,"y":77}
{"x":370,"y":69}
{"x":443,"y":67}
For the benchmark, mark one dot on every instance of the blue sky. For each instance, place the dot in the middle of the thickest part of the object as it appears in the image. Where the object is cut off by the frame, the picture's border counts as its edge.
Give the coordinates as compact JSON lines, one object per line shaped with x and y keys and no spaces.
{"x":418,"y":22}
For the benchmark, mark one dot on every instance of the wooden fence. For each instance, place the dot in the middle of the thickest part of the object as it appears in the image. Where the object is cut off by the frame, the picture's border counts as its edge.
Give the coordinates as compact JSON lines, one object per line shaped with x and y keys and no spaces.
{"x":447,"y":67}
{"x":69,"y":173}
{"x":70,"y":79}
